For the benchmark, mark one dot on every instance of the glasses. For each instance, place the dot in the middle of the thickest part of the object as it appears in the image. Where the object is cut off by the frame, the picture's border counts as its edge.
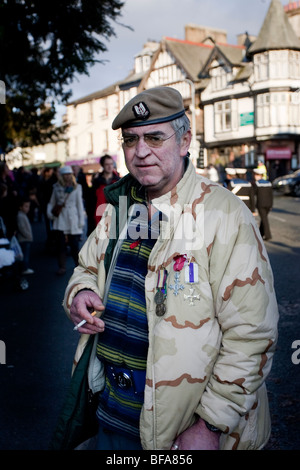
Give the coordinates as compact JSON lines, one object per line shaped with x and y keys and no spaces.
{"x":152,"y":140}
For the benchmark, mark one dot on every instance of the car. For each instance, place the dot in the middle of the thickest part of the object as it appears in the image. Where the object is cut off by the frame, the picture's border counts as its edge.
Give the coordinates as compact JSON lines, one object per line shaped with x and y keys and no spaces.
{"x":288,"y":184}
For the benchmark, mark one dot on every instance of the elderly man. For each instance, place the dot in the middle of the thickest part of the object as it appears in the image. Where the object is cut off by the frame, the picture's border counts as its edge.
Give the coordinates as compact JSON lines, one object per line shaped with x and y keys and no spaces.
{"x":186,"y":315}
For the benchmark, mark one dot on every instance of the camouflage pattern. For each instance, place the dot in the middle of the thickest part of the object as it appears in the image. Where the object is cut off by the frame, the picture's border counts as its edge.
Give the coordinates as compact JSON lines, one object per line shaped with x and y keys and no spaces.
{"x":210,"y":356}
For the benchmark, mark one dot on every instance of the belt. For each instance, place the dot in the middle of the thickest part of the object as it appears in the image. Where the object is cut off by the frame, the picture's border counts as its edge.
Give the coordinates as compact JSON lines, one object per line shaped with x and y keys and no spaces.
{"x":128,"y":380}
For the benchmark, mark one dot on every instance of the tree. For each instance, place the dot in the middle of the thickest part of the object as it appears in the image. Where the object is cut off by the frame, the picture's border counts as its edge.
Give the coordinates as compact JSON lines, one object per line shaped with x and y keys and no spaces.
{"x":43,"y":44}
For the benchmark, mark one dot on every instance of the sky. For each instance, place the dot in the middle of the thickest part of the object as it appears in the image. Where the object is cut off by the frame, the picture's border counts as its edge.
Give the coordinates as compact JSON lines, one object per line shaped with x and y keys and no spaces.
{"x":154,"y":19}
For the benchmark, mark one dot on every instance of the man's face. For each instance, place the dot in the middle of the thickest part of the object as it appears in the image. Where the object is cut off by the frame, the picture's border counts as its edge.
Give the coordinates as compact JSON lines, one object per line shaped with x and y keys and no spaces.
{"x":108,"y":166}
{"x":157,"y":169}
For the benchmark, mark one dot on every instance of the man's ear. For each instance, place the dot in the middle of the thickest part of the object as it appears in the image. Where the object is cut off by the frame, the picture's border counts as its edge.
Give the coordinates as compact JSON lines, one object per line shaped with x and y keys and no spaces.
{"x":185,"y":143}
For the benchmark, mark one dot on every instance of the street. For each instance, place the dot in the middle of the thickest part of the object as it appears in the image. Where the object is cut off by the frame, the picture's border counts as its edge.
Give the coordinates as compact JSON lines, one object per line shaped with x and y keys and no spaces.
{"x":40,"y":342}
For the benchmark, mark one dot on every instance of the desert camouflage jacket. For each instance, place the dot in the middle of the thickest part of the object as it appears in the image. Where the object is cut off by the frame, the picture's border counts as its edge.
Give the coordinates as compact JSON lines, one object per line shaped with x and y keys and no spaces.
{"x":210,"y":353}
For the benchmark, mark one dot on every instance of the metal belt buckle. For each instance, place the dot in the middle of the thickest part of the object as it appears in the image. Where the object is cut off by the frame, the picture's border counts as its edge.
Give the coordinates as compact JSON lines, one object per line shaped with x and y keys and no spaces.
{"x":123,"y":380}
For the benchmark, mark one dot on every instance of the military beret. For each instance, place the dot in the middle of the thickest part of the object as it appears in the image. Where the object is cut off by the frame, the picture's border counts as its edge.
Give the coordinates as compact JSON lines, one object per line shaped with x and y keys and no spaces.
{"x":152,"y":106}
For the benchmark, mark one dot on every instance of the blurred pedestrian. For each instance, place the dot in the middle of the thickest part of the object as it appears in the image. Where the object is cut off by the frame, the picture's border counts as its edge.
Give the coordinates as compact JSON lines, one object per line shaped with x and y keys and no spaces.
{"x":9,"y":201}
{"x":212,"y":173}
{"x":108,"y":176}
{"x":262,"y":166}
{"x":264,"y":201}
{"x":47,"y":179}
{"x":89,"y":198}
{"x":242,"y":188}
{"x":24,"y":234}
{"x":66,"y":211}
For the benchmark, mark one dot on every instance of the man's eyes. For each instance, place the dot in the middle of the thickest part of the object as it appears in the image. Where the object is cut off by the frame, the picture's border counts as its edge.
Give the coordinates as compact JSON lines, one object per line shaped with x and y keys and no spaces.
{"x":152,"y":138}
{"x":129,"y":140}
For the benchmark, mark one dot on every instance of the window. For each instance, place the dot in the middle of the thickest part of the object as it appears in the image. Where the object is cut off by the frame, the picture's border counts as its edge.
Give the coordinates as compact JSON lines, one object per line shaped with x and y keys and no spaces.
{"x":90,"y":143}
{"x":90,"y":111}
{"x":220,"y":76}
{"x":261,"y":66}
{"x":273,"y":109}
{"x":223,"y":116}
{"x":294,"y":107}
{"x":294,"y":64}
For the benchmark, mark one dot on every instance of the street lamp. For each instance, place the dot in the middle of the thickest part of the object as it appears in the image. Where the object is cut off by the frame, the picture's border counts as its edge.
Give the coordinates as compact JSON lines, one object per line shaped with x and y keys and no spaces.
{"x":193,"y":109}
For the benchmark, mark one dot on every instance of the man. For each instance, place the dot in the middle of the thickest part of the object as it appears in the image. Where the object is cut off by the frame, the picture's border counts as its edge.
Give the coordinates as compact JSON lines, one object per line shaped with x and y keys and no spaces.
{"x":188,"y":325}
{"x":262,"y":166}
{"x":108,"y":176}
{"x":264,"y":201}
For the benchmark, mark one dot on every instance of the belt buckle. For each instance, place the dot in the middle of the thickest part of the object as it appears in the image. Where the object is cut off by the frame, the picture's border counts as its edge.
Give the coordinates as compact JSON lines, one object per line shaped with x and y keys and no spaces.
{"x":123,"y":380}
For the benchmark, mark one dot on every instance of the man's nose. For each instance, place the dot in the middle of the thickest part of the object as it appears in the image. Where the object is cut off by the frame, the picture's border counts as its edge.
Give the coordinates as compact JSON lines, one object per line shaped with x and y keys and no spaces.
{"x":141,"y":148}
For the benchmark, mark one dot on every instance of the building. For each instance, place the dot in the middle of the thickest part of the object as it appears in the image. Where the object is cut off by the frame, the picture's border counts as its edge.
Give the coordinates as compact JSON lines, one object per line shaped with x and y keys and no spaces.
{"x":251,"y":104}
{"x":243,"y":100}
{"x":90,"y":134}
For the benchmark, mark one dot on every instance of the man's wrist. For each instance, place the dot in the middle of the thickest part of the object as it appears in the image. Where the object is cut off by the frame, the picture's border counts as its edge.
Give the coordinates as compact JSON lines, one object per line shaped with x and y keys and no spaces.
{"x":212,"y":428}
{"x":81,"y":290}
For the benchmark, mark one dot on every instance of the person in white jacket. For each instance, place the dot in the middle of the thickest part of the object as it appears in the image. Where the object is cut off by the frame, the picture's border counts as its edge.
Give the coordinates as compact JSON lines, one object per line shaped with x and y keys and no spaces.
{"x":66,"y":211}
{"x":24,"y":234}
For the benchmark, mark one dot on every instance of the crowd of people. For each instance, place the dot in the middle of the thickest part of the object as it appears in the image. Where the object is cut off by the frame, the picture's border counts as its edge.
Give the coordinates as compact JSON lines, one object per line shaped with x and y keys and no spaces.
{"x":28,"y":195}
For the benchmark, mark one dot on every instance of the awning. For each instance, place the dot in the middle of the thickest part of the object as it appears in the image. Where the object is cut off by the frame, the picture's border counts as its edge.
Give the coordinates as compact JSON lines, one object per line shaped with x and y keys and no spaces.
{"x":43,"y":165}
{"x":282,"y":153}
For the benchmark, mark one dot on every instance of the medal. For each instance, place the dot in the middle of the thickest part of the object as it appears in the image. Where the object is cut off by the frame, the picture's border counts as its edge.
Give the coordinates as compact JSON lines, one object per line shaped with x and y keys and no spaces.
{"x":160,"y":310}
{"x":161,"y":293}
{"x":159,"y":297}
{"x":191,"y":297}
{"x":176,"y":287}
{"x":191,"y":273}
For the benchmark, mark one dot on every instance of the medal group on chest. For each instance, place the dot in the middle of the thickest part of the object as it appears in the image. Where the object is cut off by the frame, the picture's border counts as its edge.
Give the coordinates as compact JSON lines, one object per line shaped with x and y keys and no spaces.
{"x":181,"y":262}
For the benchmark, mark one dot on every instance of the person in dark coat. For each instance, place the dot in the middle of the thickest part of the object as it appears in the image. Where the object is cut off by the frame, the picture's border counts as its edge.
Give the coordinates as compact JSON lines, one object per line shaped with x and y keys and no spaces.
{"x":108,"y":176}
{"x":264,"y":201}
{"x":240,"y":186}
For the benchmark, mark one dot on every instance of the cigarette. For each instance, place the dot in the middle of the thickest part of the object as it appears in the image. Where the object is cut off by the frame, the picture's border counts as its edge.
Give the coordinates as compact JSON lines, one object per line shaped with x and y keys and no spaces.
{"x":83,"y":321}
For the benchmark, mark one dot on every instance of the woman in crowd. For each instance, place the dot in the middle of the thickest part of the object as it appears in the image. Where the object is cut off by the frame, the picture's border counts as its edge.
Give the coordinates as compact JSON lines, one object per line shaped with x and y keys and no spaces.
{"x":66,"y":211}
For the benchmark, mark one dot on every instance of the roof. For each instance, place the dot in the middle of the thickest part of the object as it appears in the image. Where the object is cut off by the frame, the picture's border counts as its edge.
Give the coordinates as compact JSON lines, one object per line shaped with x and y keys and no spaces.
{"x":110,"y":90}
{"x":97,"y":94}
{"x":276,"y":32}
{"x":190,"y":55}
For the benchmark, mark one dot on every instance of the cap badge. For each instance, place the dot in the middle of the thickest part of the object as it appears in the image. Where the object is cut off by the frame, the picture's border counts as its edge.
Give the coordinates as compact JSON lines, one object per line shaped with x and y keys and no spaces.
{"x":141,"y":110}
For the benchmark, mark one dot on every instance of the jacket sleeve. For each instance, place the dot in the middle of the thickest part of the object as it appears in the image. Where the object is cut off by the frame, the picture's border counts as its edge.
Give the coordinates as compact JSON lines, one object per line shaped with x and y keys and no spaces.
{"x":50,"y":205}
{"x":90,"y":272}
{"x":246,"y":309}
{"x":80,"y":206}
{"x":24,"y":228}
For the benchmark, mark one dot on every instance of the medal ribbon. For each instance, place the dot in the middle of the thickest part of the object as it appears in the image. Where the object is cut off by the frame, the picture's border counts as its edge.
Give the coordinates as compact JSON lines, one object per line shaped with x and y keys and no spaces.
{"x":162,"y":279}
{"x":191,"y":272}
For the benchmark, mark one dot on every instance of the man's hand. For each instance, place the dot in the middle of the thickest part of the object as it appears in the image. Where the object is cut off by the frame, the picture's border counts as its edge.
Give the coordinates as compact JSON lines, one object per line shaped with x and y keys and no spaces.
{"x":197,"y":437}
{"x":83,"y":304}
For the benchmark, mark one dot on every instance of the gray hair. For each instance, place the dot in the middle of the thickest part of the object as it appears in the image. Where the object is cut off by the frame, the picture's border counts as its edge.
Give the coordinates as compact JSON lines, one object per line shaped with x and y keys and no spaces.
{"x":182,"y":125}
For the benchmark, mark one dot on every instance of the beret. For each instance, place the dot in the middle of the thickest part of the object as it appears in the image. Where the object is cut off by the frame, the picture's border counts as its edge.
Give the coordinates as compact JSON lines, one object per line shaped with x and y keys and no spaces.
{"x":152,"y":106}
